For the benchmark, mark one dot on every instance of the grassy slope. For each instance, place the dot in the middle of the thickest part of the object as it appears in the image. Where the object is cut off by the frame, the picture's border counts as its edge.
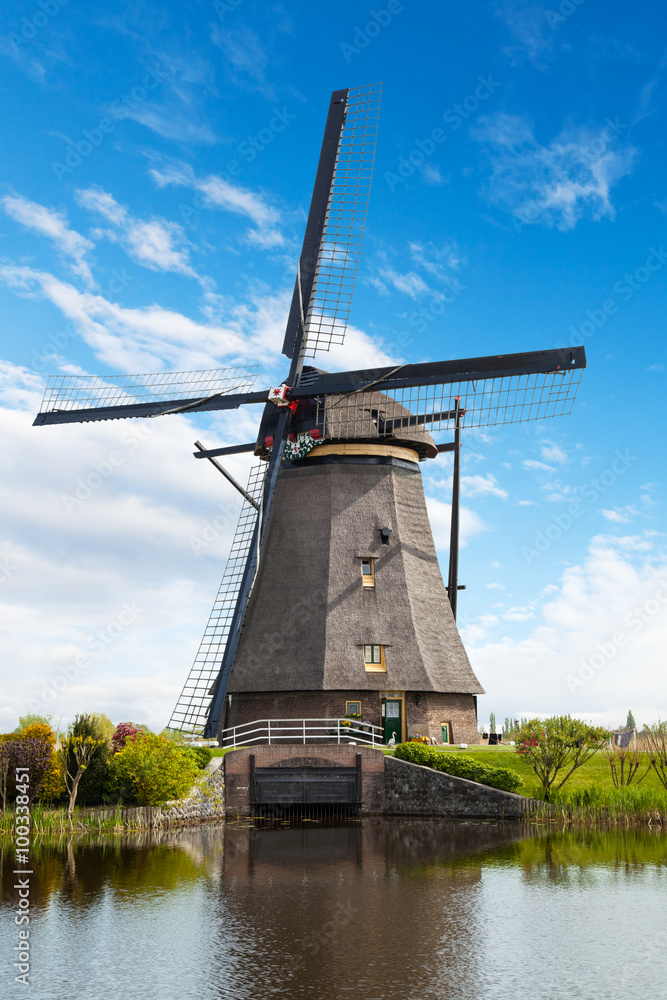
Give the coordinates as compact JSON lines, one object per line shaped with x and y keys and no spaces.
{"x":595,"y":772}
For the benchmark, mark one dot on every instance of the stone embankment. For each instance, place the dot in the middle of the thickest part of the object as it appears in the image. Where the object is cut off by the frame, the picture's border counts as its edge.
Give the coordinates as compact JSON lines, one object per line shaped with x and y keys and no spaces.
{"x":413,"y":790}
{"x":204,"y":804}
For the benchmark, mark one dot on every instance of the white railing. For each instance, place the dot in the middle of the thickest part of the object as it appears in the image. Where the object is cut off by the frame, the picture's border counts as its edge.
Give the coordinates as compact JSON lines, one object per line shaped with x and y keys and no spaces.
{"x":302,"y":731}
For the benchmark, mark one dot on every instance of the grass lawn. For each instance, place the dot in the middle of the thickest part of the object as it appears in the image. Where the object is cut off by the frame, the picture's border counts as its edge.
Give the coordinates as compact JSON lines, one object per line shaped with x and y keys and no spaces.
{"x":595,"y":772}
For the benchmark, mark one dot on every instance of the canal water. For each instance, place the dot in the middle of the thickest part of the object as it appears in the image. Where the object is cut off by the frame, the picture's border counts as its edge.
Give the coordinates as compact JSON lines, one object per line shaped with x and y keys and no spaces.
{"x":372,"y":910}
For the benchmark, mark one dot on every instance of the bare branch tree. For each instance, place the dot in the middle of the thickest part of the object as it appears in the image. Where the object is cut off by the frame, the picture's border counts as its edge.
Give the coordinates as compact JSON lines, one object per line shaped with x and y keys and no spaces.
{"x":656,"y":741}
{"x":625,"y":763}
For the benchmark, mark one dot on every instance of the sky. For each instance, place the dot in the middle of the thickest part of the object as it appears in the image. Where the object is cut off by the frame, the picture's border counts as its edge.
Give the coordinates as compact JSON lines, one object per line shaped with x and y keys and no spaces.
{"x":157,"y":171}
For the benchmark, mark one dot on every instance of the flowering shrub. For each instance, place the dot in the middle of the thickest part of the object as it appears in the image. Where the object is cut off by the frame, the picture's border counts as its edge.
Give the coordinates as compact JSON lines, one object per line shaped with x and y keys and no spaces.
{"x":123,"y":732}
{"x":556,"y":745}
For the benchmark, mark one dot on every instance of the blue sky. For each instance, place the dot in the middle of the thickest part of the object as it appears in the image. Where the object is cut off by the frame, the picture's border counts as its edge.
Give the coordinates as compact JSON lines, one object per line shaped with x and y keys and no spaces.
{"x":157,"y":171}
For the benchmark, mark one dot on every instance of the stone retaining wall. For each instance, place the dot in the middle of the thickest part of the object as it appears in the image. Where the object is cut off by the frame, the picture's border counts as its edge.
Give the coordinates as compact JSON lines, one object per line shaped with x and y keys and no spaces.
{"x":413,"y":790}
{"x":205,"y":804}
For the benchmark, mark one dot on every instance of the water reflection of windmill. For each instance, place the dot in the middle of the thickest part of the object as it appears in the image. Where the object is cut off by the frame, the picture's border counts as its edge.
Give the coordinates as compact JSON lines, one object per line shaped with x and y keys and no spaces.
{"x":332,"y":602}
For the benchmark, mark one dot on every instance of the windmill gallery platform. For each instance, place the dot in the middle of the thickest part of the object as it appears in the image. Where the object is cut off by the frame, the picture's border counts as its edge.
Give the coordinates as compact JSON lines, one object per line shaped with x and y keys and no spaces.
{"x":262,"y":778}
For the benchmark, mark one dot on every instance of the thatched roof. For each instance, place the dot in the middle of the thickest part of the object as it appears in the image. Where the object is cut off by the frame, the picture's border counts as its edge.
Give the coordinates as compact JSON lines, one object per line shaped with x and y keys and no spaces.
{"x":309,"y":615}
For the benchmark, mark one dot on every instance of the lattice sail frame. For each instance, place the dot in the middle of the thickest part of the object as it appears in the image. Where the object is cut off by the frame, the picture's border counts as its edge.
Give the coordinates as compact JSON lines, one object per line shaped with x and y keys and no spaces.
{"x":76,"y":392}
{"x":191,"y":711}
{"x":373,"y":413}
{"x":340,"y":248}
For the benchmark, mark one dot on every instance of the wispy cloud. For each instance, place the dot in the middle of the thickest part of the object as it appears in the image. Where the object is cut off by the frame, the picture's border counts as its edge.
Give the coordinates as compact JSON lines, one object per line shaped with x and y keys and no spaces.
{"x":409,"y":283}
{"x":619,"y":515}
{"x":647,"y":98}
{"x":138,"y":339}
{"x":558,"y":184}
{"x":172,"y":124}
{"x":439,"y":264}
{"x":527,"y":23}
{"x":535,"y":466}
{"x":220,"y":194}
{"x":54,"y":225}
{"x":475,"y":486}
{"x":154,"y":243}
{"x":553,"y":452}
{"x":246,"y":57}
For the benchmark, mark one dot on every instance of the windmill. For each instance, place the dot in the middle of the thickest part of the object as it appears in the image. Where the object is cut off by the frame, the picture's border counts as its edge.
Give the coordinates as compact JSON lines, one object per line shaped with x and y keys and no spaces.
{"x":334,"y":504}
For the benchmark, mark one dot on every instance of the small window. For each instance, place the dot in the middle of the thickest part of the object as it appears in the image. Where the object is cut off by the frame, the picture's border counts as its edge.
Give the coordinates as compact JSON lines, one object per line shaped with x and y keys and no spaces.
{"x":367,"y":572}
{"x":353,"y":708}
{"x":374,"y":658}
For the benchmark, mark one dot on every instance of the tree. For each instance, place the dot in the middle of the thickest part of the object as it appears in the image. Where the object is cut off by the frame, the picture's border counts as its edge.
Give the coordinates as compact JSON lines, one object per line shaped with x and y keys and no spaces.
{"x":52,"y":785}
{"x":624,"y":763}
{"x":105,"y":726}
{"x":30,"y":720}
{"x":558,"y":744}
{"x":492,"y":722}
{"x":630,"y":721}
{"x":6,"y":740}
{"x":156,"y":769}
{"x":34,"y":756}
{"x":656,"y":740}
{"x":83,"y":742}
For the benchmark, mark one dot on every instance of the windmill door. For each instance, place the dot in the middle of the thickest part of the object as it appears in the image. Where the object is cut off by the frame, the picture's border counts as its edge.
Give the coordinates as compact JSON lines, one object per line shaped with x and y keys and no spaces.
{"x":391,"y":717}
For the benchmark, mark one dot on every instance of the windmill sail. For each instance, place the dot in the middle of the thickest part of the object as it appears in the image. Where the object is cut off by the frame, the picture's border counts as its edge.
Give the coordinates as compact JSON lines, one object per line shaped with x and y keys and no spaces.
{"x":340,"y":249}
{"x":332,"y":244}
{"x":191,"y":711}
{"x":487,"y":401}
{"x":81,"y":398}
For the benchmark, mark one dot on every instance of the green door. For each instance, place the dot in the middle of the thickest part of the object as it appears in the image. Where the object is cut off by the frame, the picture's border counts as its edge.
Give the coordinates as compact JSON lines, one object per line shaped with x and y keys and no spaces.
{"x":391,"y":717}
{"x":444,"y":731}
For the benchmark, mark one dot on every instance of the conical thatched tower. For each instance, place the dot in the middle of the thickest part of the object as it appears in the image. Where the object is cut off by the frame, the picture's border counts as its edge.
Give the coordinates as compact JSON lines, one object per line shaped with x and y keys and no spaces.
{"x":349,"y":612}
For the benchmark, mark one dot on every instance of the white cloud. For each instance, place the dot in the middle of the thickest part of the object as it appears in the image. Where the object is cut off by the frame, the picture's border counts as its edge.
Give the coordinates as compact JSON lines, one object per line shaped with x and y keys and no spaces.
{"x":535,"y":466}
{"x":172,"y":124}
{"x":522,"y":614}
{"x":472,"y":486}
{"x":527,"y":23}
{"x":218,"y":193}
{"x":558,"y":184}
{"x":409,"y":283}
{"x":154,"y":243}
{"x":52,"y":224}
{"x":619,"y":515}
{"x":440,"y":516}
{"x":552,"y":452}
{"x":431,"y":174}
{"x":440,"y":263}
{"x":598,"y":643}
{"x":150,"y":338}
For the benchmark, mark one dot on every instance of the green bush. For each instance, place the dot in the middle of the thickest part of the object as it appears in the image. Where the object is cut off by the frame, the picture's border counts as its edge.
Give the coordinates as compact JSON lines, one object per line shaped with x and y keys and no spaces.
{"x":156,"y":769}
{"x":460,"y":766}
{"x":202,"y":755}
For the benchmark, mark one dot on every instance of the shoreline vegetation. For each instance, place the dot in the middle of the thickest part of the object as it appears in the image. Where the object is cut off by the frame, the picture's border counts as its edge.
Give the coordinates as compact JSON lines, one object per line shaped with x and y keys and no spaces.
{"x":588,"y":799}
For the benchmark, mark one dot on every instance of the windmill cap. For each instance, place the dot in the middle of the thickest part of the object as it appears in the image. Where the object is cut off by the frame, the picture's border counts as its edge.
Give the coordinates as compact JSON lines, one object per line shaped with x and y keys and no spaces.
{"x":368,"y":416}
